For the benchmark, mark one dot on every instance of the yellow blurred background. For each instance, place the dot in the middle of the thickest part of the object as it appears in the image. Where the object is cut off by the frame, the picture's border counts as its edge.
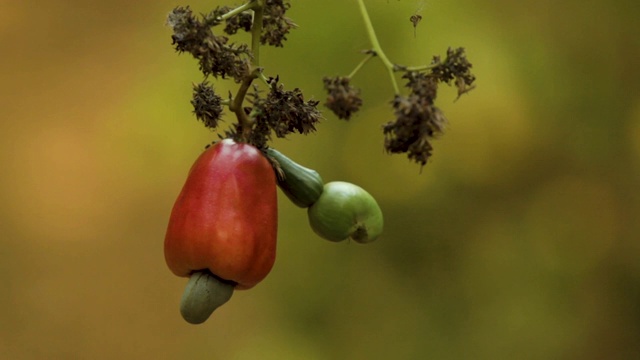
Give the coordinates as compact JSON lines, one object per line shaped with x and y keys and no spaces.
{"x":519,"y":240}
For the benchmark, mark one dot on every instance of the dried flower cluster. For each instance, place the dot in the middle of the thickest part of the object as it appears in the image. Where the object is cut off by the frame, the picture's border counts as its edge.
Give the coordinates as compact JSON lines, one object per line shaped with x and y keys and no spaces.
{"x":417,"y":119}
{"x":281,"y":112}
{"x":276,"y":25}
{"x":412,"y":129}
{"x":343,"y":99}
{"x":214,"y":53}
{"x":286,"y":111}
{"x":455,"y":66}
{"x":207,"y":106}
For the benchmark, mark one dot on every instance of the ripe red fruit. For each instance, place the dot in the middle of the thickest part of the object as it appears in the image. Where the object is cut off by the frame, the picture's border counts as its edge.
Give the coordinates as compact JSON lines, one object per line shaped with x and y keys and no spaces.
{"x":225,"y":218}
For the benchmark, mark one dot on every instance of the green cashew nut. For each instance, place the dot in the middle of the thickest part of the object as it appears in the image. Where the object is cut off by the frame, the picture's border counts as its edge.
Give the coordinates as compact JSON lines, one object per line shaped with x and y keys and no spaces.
{"x":203,"y":294}
{"x":345,"y":210}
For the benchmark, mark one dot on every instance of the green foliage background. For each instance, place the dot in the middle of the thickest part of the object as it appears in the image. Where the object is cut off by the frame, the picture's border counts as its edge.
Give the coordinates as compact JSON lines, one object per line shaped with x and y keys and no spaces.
{"x":519,"y":240}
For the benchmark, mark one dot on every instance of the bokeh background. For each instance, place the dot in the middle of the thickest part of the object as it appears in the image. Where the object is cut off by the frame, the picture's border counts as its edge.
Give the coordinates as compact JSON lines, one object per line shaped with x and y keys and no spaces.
{"x":519,"y":240}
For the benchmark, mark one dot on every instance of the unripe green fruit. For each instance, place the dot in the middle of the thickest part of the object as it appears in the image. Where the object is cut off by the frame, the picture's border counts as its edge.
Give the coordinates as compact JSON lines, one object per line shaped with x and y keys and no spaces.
{"x":203,"y":294}
{"x":302,"y":185}
{"x":345,"y":210}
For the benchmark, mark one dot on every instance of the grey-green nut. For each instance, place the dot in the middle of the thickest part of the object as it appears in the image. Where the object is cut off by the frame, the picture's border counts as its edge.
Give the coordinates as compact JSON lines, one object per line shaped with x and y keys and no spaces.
{"x":203,"y":294}
{"x":344,"y":211}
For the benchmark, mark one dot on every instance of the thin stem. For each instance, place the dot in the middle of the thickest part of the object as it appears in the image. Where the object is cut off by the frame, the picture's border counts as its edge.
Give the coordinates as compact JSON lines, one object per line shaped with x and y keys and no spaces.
{"x":246,"y":123}
{"x":364,"y":61}
{"x":248,"y":6}
{"x":264,"y":78}
{"x":421,"y":67}
{"x":256,"y":31}
{"x":236,"y":104}
{"x":376,"y":46}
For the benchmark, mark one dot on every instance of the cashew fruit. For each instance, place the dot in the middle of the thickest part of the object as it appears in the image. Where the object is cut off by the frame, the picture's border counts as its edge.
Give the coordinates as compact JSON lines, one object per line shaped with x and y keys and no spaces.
{"x":344,"y":211}
{"x":225,"y":218}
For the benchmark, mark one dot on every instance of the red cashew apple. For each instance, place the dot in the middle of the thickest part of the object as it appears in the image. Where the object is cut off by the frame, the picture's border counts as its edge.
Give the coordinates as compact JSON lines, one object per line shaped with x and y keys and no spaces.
{"x":225,"y":218}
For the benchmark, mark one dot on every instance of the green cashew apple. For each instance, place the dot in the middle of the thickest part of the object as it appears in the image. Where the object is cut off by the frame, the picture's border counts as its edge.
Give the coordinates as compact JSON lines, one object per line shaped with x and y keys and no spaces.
{"x":344,"y":211}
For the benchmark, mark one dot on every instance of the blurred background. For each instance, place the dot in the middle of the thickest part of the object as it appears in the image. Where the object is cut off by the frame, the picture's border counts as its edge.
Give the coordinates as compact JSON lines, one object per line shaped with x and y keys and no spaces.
{"x":518,"y":240}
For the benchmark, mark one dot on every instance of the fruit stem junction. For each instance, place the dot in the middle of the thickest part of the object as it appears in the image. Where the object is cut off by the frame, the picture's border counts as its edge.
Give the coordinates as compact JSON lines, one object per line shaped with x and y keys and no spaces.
{"x":377,"y":49}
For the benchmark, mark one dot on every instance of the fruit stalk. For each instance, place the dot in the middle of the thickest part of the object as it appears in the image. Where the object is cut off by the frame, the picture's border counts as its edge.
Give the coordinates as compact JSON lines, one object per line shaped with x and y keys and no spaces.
{"x":303,"y":186}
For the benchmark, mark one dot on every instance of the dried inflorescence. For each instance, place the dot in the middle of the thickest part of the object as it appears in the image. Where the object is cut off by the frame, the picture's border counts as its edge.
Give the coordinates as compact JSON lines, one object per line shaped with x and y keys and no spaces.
{"x":415,"y":125}
{"x":276,"y":25}
{"x":417,"y":119}
{"x":286,"y":111}
{"x":280,"y":112}
{"x":454,"y":67}
{"x":207,"y":106}
{"x":242,"y":21}
{"x":343,"y":99}
{"x":423,"y":85}
{"x":214,"y":54}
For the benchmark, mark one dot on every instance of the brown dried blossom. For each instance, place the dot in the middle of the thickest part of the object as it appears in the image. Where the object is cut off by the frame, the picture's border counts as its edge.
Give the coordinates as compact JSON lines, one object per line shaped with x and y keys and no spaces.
{"x":214,"y":54}
{"x":207,"y":105}
{"x":454,"y":67}
{"x":417,"y":119}
{"x":343,"y":99}
{"x":287,"y":111}
{"x":275,"y":25}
